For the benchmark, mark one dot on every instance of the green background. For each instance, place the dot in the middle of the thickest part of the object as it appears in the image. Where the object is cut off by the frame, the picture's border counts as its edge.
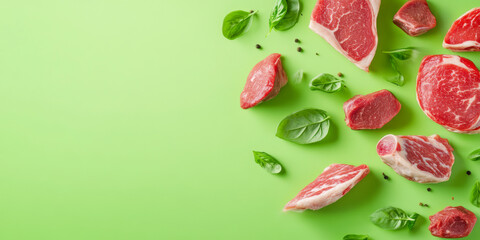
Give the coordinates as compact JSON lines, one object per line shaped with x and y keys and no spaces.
{"x":121,"y":120}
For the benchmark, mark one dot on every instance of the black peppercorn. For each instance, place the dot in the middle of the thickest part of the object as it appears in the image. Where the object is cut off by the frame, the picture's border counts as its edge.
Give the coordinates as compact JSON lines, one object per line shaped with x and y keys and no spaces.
{"x":385,"y":176}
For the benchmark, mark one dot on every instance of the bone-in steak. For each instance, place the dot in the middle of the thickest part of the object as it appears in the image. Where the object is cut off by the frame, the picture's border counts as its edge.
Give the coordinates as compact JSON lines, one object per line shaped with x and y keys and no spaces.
{"x":418,"y":158}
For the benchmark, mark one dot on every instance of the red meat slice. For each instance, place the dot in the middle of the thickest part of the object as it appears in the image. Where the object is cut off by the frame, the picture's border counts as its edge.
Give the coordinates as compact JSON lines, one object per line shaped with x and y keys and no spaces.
{"x":264,"y":82}
{"x":448,"y":91}
{"x":452,"y":222}
{"x":335,"y":181}
{"x":464,"y":34}
{"x":371,"y":111}
{"x":415,"y":18}
{"x":418,"y":158}
{"x":350,"y":26}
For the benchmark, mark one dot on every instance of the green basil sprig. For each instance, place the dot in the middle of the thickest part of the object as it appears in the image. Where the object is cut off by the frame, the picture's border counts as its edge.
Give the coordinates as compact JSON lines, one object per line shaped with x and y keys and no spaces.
{"x":395,"y":56}
{"x":475,"y":194}
{"x":278,"y":12}
{"x":475,"y":155}
{"x":291,"y":17}
{"x":355,"y":237}
{"x":304,"y":127}
{"x":236,"y":23}
{"x":284,"y":15}
{"x":327,"y":83}
{"x":392,"y":218}
{"x":267,"y":162}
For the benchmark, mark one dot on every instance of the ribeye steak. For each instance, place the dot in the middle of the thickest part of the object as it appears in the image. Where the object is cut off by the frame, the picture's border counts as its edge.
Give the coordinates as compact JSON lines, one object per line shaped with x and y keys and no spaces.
{"x":350,"y":26}
{"x":448,"y":91}
{"x":464,"y":34}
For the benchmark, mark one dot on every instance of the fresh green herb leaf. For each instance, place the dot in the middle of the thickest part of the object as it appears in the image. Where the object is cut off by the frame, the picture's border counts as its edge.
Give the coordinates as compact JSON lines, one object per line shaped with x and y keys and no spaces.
{"x":411,"y":223}
{"x":392,"y":218}
{"x":298,"y":76}
{"x":278,"y":13}
{"x":267,"y":162}
{"x":291,"y":17}
{"x":398,"y":55}
{"x":236,"y":23}
{"x":355,"y":237}
{"x":401,"y":54}
{"x":475,"y":155}
{"x":304,"y":127}
{"x":327,"y":83}
{"x":475,"y":194}
{"x":398,"y":79}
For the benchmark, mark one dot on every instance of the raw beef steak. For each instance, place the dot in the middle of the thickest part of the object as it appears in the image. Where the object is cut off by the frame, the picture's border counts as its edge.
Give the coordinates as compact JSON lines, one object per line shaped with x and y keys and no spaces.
{"x":448,"y":91}
{"x":418,"y":158}
{"x":350,"y":26}
{"x":415,"y":18}
{"x":371,"y":111}
{"x":335,"y":181}
{"x":264,"y":82}
{"x":452,"y":222}
{"x":464,"y":34}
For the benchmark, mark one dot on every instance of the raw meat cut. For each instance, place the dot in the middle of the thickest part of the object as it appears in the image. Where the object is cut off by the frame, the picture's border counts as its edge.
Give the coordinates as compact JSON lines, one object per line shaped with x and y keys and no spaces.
{"x":264,"y":82}
{"x":448,"y":91}
{"x":335,"y":181}
{"x":350,"y":26}
{"x":452,"y":222}
{"x":464,"y":34}
{"x":415,"y":18}
{"x":418,"y":158}
{"x":371,"y":111}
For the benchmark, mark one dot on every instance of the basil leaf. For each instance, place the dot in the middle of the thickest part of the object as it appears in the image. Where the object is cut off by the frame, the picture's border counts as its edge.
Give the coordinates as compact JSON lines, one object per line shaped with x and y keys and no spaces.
{"x":401,"y":54}
{"x":267,"y":162}
{"x":398,"y":79}
{"x":236,"y":23}
{"x":279,"y":11}
{"x":304,"y":127}
{"x":411,"y":223}
{"x":392,"y":218}
{"x":291,"y":17}
{"x":327,"y":83}
{"x":475,"y":194}
{"x":355,"y":237}
{"x":298,"y":76}
{"x":475,"y":155}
